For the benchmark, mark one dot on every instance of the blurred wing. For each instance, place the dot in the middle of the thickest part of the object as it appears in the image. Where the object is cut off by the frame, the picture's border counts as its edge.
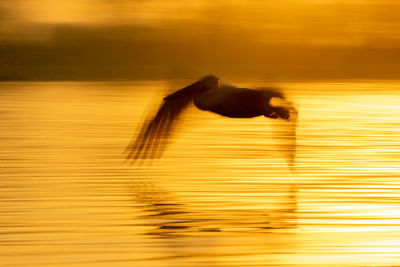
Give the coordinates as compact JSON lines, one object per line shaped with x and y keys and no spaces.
{"x":287,"y":132}
{"x":291,"y":127}
{"x":153,"y":136}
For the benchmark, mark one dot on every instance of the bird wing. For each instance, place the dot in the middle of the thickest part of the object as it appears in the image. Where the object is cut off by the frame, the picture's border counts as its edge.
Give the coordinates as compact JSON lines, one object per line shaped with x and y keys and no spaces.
{"x":287,"y":132}
{"x":291,"y":138}
{"x":153,"y":136}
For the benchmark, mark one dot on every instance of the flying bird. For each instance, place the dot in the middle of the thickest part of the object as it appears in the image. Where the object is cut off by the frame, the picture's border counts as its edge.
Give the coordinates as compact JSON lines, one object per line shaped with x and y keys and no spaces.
{"x":210,"y":95}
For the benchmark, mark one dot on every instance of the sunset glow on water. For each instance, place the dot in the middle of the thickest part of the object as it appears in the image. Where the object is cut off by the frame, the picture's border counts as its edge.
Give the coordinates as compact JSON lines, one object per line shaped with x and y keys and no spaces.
{"x":222,"y":195}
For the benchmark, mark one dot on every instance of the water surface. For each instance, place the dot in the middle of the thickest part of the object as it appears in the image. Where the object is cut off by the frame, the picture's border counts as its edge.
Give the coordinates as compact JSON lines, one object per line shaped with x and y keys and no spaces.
{"x":222,"y":195}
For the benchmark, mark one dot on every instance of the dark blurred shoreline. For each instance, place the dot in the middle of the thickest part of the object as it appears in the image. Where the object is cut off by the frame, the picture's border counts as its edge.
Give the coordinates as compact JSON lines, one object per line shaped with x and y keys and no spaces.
{"x":113,"y":53}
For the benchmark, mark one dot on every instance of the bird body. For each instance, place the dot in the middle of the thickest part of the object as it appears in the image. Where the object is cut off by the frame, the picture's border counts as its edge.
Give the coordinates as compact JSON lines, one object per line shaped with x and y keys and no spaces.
{"x":210,"y":95}
{"x":234,"y":102}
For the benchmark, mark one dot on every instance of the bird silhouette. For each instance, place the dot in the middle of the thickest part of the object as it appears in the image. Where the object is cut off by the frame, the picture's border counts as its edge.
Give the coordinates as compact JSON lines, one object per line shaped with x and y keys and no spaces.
{"x":210,"y":95}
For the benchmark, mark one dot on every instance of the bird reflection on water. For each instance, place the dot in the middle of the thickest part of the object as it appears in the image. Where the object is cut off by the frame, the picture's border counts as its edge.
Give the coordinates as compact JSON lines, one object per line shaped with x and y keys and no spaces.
{"x":167,"y":217}
{"x":210,"y":95}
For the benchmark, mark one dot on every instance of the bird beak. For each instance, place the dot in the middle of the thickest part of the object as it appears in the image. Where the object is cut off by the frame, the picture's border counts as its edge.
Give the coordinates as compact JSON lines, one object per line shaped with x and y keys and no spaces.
{"x":193,"y":89}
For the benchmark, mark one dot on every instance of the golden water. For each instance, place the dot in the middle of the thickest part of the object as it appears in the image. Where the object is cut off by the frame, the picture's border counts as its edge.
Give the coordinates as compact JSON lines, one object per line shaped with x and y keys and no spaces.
{"x":222,"y":195}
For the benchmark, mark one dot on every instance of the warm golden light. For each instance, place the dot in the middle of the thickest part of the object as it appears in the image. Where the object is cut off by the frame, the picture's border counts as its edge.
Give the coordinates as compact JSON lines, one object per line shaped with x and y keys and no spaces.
{"x":79,"y":78}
